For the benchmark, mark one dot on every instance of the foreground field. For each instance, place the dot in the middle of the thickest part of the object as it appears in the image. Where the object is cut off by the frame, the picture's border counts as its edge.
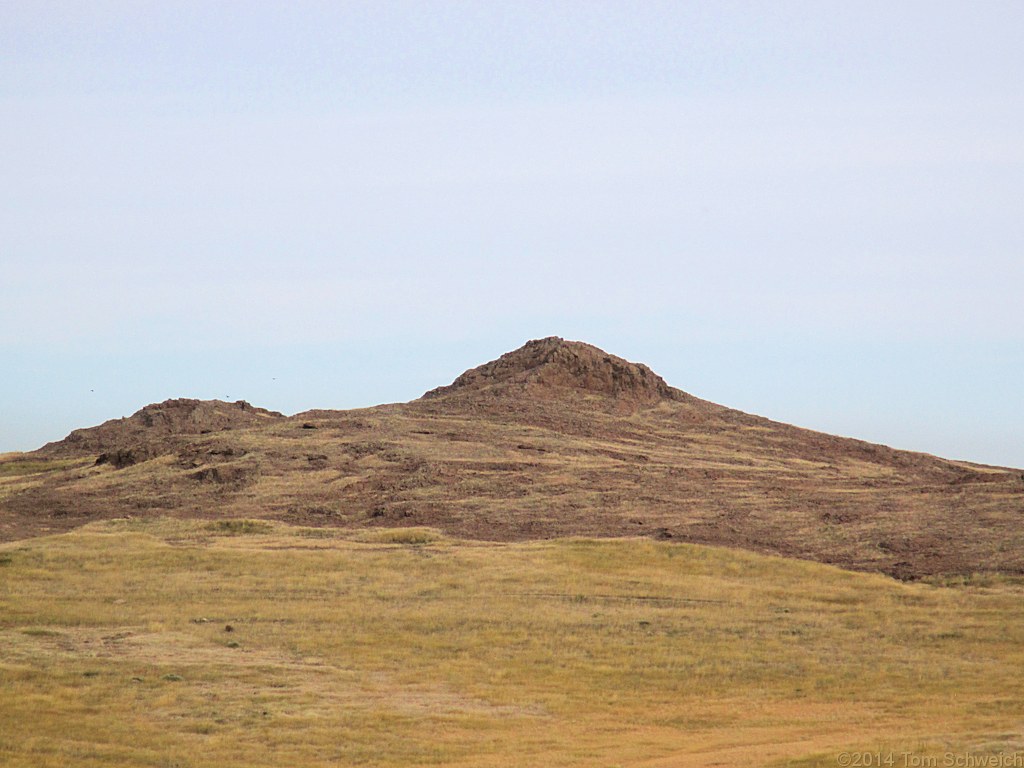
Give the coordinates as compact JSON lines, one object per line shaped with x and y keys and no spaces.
{"x":246,"y":643}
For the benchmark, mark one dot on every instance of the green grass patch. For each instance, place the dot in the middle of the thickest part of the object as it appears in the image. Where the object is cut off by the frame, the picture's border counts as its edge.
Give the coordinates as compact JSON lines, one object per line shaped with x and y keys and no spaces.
{"x":240,"y":527}
{"x":412,"y":536}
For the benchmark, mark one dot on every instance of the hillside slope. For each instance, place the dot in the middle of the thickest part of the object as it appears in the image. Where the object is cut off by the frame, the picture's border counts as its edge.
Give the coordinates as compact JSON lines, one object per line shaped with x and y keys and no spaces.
{"x":556,"y":438}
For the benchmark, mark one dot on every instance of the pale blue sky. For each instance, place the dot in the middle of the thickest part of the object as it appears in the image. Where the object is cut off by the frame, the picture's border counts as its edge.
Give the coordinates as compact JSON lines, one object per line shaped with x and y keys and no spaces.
{"x":812,"y":211}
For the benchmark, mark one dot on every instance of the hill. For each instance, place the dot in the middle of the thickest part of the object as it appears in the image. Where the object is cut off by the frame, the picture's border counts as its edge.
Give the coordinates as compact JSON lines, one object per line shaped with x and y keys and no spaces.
{"x":554,"y":439}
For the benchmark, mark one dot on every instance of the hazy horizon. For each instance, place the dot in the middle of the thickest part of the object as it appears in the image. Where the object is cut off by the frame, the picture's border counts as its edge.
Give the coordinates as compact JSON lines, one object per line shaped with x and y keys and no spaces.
{"x":808,"y":211}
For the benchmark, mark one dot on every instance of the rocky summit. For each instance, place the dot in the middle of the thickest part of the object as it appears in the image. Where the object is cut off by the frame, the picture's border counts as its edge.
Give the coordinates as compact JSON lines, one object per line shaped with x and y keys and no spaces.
{"x":555,"y":367}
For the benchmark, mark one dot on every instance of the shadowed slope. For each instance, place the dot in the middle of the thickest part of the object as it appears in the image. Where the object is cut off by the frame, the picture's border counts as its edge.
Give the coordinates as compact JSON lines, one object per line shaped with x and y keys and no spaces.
{"x":554,"y":439}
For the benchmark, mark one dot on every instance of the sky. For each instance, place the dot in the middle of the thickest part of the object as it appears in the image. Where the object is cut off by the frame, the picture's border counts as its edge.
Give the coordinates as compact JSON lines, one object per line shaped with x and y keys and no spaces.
{"x":812,"y":211}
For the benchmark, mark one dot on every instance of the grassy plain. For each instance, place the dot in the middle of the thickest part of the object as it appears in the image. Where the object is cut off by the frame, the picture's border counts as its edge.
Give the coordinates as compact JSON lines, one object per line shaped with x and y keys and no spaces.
{"x":183,"y":644}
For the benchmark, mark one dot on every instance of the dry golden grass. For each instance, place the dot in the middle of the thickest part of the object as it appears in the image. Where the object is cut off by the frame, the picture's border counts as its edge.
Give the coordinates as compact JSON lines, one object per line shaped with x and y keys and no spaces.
{"x":403,"y":647}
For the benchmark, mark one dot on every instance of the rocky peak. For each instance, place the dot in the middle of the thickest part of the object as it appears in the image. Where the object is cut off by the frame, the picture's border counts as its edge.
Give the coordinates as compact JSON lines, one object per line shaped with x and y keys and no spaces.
{"x":159,"y":422}
{"x":185,"y":415}
{"x":553,"y":366}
